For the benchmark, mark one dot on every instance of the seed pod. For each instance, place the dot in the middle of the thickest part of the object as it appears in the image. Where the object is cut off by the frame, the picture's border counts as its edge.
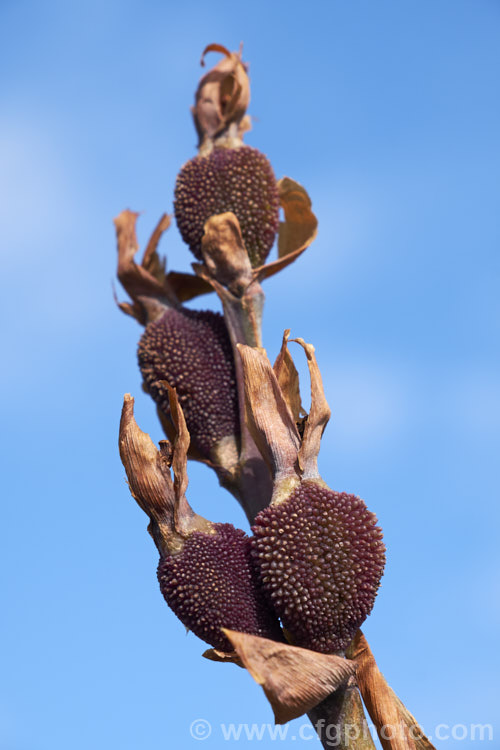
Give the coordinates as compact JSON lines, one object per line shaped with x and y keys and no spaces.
{"x":240,"y":180}
{"x":319,"y":553}
{"x":212,"y":584}
{"x":191,"y":350}
{"x":205,"y":570}
{"x":320,"y":557}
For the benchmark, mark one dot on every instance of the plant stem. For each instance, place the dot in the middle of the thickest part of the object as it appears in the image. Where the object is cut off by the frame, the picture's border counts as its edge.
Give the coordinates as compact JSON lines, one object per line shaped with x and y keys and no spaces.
{"x":340,"y":720}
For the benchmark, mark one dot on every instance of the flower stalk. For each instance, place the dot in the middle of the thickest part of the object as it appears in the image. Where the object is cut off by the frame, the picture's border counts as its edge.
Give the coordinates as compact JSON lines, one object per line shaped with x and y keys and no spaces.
{"x":287,"y":602}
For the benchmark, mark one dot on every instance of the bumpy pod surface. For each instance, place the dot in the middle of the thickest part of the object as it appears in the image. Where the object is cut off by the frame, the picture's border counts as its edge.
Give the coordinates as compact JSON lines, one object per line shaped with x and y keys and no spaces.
{"x":320,"y":557}
{"x":212,"y":584}
{"x":191,"y":350}
{"x":240,"y":180}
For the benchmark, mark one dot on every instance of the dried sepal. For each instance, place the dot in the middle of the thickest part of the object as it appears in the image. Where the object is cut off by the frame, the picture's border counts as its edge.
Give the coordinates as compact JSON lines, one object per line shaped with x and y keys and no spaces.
{"x":296,"y":233}
{"x":151,"y":261}
{"x":179,"y":459}
{"x":317,"y":419}
{"x":169,"y":430}
{"x":224,"y":253}
{"x":223,"y":657}
{"x":187,"y":286}
{"x":147,"y":472}
{"x":288,"y":379}
{"x":147,"y":283}
{"x":396,"y":727}
{"x":222,"y":96}
{"x":269,"y":418}
{"x":151,"y":485}
{"x":300,"y":225}
{"x":293,"y":679}
{"x":273,"y":410}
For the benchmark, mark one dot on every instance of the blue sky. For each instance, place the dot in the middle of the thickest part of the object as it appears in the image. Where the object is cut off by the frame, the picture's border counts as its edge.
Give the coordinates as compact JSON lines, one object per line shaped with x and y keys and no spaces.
{"x":389,"y":114}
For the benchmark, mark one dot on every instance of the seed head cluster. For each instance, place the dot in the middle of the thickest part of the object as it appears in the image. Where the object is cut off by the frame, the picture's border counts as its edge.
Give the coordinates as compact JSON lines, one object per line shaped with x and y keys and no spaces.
{"x":212,"y":584}
{"x":191,"y":350}
{"x":240,"y":180}
{"x":320,"y":557}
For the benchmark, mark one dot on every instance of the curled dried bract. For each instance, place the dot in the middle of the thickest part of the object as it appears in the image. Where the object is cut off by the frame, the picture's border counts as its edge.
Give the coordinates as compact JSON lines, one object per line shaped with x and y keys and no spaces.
{"x":222,"y":96}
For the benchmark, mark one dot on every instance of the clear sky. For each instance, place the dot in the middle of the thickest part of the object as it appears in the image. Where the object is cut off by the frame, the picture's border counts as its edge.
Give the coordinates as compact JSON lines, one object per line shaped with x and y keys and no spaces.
{"x":388,"y":112}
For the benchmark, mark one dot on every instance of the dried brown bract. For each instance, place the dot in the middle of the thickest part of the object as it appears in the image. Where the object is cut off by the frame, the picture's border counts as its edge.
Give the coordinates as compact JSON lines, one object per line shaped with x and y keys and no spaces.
{"x":222,"y":96}
{"x":293,"y":679}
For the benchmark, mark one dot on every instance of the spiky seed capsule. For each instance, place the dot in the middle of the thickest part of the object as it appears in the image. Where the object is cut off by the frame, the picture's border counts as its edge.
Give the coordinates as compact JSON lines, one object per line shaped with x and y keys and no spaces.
{"x":240,"y":180}
{"x":212,"y":584}
{"x":191,"y":350}
{"x":320,"y":557}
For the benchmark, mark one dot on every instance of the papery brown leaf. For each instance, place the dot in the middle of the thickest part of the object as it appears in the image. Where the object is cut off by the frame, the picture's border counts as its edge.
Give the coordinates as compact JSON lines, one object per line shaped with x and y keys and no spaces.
{"x":265,"y":272}
{"x":396,"y":727}
{"x":300,"y":225}
{"x":316,"y":421}
{"x":150,"y":279}
{"x":268,"y":416}
{"x":150,"y":484}
{"x":187,"y":286}
{"x":149,"y":294}
{"x":296,"y":233}
{"x":293,"y":679}
{"x":179,"y":462}
{"x":151,"y":261}
{"x":288,"y":378}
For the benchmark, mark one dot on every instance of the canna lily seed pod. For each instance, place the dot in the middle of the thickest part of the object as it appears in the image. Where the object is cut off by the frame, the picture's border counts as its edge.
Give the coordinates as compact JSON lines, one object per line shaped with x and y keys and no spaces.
{"x":191,"y":350}
{"x":238,"y":180}
{"x":320,"y":557}
{"x":211,"y":583}
{"x":319,"y":553}
{"x":205,"y":570}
